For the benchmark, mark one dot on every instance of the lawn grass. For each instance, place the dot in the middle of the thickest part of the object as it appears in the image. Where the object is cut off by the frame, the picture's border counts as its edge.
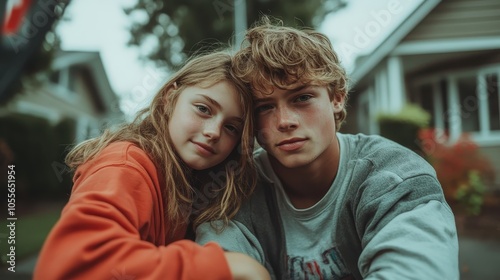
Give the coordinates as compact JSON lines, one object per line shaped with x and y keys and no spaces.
{"x":31,"y":231}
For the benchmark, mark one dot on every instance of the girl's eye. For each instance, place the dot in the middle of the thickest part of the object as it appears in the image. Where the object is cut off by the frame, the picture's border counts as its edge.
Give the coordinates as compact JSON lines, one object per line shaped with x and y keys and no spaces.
{"x":262,"y":108}
{"x":303,"y":98}
{"x":203,"y":109}
{"x":233,"y":129}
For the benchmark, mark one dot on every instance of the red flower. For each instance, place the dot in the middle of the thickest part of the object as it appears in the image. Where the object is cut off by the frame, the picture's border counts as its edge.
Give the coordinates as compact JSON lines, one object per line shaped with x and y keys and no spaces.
{"x":454,"y":161}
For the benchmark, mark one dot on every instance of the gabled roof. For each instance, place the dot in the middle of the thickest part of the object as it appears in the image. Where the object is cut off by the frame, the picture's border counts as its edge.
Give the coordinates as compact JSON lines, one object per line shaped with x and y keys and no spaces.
{"x":370,"y":61}
{"x":92,"y":68}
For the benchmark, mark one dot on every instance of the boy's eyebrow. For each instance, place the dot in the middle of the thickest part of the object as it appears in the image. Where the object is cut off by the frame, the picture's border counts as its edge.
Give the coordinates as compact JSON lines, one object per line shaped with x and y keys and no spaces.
{"x":292,"y":91}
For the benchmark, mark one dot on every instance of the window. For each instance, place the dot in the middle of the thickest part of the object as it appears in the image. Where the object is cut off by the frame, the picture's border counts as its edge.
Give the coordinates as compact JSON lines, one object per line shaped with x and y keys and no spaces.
{"x":467,"y":101}
{"x":441,"y":105}
{"x":493,"y":100}
{"x":426,"y":100}
{"x":54,"y":77}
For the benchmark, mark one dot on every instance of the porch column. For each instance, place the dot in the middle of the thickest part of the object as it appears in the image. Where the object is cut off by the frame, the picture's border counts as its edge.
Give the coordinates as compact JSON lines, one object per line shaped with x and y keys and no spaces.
{"x":397,"y":94}
{"x":382,"y":91}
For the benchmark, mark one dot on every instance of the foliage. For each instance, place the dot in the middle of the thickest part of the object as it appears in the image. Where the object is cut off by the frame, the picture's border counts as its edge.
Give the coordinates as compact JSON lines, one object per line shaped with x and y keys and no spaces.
{"x":403,"y":127}
{"x":461,"y":169}
{"x":410,"y":113}
{"x":172,"y":30}
{"x":470,"y":194}
{"x":38,"y":149}
{"x":6,"y":154}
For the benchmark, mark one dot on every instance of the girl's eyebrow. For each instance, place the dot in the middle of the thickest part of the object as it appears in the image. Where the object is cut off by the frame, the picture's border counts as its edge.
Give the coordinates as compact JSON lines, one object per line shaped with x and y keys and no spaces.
{"x":210,"y":100}
{"x":238,"y":120}
{"x":216,"y":104}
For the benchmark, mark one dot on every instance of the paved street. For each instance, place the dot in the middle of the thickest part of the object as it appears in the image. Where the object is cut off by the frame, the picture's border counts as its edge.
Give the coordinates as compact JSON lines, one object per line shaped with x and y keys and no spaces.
{"x":479,"y":259}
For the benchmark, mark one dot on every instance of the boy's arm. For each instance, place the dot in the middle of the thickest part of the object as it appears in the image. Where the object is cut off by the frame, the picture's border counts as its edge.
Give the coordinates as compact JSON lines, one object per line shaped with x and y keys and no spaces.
{"x":419,"y":244}
{"x":244,"y":267}
{"x":233,"y":238}
{"x":408,"y":232}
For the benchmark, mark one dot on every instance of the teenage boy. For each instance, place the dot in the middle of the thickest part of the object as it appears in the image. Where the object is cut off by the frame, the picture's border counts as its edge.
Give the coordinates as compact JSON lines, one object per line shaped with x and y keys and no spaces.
{"x":330,"y":205}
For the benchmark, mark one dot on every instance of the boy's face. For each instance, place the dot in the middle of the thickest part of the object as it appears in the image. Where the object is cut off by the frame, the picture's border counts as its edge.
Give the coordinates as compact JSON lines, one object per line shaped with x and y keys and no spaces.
{"x":296,"y":126}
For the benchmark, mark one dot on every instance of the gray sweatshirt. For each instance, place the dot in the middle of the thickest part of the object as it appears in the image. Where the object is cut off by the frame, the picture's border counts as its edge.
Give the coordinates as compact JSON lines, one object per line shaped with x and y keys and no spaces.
{"x":384,"y":217}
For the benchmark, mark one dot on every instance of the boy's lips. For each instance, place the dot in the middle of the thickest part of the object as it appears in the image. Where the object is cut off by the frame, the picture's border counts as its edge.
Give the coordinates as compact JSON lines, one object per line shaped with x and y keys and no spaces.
{"x":291,"y":144}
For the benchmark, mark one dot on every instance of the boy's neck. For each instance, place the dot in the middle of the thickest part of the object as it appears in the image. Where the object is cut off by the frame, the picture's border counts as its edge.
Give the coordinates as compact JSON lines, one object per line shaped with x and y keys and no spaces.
{"x":306,"y":185}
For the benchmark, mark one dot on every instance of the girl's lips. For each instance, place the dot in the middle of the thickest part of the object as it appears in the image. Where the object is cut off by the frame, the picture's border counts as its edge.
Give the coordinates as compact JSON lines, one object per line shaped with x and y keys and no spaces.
{"x":204,"y":148}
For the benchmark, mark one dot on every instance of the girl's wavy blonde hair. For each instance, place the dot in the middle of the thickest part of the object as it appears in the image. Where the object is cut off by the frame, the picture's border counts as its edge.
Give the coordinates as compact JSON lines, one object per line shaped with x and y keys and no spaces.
{"x":182,"y":187}
{"x":285,"y":58}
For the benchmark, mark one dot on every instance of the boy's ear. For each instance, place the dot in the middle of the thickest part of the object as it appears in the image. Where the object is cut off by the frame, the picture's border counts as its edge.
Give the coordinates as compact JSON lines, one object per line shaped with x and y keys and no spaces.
{"x":338,"y":103}
{"x":337,"y":107}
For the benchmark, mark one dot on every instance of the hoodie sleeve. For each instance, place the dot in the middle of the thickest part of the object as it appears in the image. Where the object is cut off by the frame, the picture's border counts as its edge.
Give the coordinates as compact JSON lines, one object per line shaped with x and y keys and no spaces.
{"x":234,"y":238}
{"x":419,"y":244}
{"x":111,"y":229}
{"x":409,"y":233}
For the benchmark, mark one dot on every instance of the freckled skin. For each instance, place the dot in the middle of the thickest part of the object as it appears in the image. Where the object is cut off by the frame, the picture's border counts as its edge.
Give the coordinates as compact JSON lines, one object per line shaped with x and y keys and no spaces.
{"x":308,"y":115}
{"x":204,"y":134}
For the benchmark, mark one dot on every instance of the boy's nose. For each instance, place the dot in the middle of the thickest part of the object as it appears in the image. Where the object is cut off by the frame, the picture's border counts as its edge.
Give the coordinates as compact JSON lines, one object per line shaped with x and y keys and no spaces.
{"x":286,"y":120}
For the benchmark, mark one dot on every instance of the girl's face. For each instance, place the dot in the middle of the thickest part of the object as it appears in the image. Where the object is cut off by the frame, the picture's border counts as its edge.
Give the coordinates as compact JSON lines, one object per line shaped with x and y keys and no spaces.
{"x":206,"y":124}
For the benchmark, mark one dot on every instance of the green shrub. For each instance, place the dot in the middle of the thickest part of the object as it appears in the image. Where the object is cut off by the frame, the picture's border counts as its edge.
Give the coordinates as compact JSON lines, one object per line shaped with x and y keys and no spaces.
{"x":403,"y":127}
{"x":36,"y":145}
{"x":470,"y":194}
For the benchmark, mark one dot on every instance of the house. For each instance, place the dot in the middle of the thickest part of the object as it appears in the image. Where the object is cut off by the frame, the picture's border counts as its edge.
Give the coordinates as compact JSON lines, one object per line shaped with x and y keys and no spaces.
{"x":40,"y":123}
{"x":77,"y":89}
{"x":445,"y":57}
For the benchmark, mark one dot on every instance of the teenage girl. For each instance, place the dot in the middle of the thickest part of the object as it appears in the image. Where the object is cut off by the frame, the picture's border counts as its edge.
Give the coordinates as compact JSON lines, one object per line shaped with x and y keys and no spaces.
{"x":140,"y":189}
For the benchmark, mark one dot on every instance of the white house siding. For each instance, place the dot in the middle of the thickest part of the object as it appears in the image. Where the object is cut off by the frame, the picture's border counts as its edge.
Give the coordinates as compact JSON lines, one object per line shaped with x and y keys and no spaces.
{"x":453,"y":19}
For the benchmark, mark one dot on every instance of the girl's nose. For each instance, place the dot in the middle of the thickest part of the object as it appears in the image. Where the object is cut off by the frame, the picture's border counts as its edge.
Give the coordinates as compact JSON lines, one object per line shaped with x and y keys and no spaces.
{"x":212,"y":130}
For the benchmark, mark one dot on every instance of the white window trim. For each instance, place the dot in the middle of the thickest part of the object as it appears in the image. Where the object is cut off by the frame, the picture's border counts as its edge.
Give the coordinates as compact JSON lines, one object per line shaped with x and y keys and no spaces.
{"x":447,"y":46}
{"x":485,"y":136}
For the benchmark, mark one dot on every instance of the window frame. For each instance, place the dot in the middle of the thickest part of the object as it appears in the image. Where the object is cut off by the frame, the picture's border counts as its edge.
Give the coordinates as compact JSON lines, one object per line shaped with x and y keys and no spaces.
{"x":485,"y":136}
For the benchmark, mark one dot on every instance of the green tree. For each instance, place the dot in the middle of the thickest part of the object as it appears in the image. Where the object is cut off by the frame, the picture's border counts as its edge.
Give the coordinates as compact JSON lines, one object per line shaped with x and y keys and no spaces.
{"x":169,"y":31}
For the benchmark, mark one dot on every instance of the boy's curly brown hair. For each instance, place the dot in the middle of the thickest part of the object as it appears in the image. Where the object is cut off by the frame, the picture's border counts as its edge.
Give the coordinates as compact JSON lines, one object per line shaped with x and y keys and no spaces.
{"x":286,"y":58}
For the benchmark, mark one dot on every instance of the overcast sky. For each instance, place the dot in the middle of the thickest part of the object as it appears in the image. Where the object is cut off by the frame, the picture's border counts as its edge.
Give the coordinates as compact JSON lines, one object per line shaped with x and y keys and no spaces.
{"x":96,"y":25}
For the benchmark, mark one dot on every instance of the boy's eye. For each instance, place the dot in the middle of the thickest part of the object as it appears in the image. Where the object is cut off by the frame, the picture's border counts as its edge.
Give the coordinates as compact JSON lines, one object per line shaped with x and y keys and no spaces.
{"x":303,"y":98}
{"x":203,"y":109}
{"x":262,"y":108}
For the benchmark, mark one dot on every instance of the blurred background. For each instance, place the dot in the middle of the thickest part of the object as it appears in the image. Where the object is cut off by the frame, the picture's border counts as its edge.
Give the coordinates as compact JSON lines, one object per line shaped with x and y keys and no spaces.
{"x":424,"y":73}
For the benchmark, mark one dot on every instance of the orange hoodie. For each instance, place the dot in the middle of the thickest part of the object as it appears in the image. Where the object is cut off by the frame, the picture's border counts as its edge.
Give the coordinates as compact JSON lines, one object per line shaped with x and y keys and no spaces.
{"x":114,"y":227}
